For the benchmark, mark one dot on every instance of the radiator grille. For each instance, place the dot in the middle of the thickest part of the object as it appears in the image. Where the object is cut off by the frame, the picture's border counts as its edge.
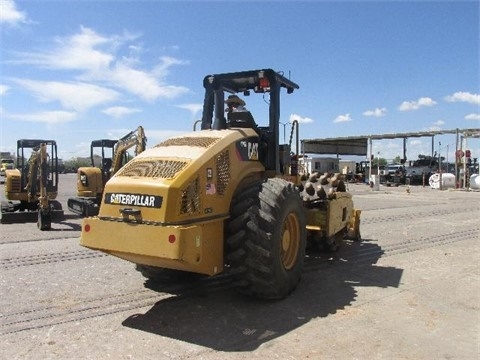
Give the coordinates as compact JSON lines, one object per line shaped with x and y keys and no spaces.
{"x":163,"y":169}
{"x":203,"y":142}
{"x":16,"y":185}
{"x":223,"y":171}
{"x":190,"y":198}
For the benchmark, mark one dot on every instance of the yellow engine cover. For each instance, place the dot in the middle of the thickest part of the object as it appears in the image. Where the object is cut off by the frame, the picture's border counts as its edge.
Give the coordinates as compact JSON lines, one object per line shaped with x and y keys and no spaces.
{"x":168,"y":205}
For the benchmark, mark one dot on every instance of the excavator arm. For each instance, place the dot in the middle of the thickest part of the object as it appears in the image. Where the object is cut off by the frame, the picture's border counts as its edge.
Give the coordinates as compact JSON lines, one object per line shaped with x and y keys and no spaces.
{"x":135,"y":138}
{"x":38,"y":176}
{"x":38,"y":172}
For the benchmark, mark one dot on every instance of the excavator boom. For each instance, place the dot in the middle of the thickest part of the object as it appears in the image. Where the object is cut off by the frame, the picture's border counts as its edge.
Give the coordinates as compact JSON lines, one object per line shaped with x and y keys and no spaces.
{"x":133,"y":138}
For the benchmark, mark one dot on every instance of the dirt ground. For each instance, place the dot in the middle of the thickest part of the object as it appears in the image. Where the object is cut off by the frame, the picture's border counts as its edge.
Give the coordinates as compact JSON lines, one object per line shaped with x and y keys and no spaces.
{"x":409,"y":290}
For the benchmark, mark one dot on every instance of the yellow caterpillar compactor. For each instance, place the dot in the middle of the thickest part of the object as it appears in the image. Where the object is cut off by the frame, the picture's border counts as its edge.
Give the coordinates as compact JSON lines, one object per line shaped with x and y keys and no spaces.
{"x":91,"y":180}
{"x":229,"y":197}
{"x":31,"y":188}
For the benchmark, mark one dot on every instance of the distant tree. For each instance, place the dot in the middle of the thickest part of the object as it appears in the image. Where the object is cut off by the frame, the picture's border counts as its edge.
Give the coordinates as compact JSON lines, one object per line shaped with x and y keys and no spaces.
{"x":74,"y":164}
{"x":397,"y":160}
{"x":377,"y":161}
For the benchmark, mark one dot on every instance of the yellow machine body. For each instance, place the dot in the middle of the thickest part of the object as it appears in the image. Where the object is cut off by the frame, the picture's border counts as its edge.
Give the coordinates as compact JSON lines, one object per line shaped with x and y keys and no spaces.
{"x":167,"y":206}
{"x":95,"y":182}
{"x":229,"y":194}
{"x":335,"y":216}
{"x":13,"y":187}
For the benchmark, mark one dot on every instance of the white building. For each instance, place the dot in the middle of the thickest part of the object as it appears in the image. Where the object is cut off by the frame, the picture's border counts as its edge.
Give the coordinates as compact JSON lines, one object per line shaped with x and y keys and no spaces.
{"x":322,"y":165}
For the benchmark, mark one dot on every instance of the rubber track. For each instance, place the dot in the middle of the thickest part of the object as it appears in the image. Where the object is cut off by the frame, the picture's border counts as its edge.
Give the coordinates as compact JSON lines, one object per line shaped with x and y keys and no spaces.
{"x":36,"y":318}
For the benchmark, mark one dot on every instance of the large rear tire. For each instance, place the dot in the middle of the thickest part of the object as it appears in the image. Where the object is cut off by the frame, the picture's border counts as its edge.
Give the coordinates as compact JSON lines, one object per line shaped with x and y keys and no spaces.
{"x":266,"y":239}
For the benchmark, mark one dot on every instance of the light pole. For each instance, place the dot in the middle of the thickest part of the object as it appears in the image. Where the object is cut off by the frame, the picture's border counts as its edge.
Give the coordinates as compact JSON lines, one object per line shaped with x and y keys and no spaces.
{"x":378,"y":165}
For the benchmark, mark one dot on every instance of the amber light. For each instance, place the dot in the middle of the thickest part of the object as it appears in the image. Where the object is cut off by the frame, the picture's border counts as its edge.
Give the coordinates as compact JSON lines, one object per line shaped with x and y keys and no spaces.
{"x":87,"y":228}
{"x":171,"y":239}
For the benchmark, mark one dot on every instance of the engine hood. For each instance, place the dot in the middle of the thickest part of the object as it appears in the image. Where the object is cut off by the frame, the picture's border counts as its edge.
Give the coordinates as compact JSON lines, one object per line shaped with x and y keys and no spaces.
{"x":184,"y":177}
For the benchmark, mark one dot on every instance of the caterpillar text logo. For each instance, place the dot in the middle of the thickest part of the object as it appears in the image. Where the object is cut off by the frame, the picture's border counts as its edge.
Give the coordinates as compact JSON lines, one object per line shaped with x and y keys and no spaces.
{"x":134,"y":200}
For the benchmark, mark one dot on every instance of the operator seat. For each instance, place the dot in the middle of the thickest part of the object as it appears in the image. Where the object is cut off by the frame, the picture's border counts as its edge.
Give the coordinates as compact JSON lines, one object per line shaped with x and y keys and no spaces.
{"x":106,"y":167}
{"x":106,"y":164}
{"x":241,"y":119}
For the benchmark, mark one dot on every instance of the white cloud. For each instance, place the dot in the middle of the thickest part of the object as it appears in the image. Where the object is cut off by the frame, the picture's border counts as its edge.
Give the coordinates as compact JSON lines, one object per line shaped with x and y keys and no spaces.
{"x":472,"y":117}
{"x":166,"y":63}
{"x":120,"y":111}
{"x":9,"y":13}
{"x":342,"y":118}
{"x":3,"y":88}
{"x":377,"y":112}
{"x":300,"y":119}
{"x":76,"y":52}
{"x":49,"y":117}
{"x":193,"y":108}
{"x":415,"y":105}
{"x":143,"y":84}
{"x":78,"y":96}
{"x":462,"y":96}
{"x":436,"y":126}
{"x":108,"y":60}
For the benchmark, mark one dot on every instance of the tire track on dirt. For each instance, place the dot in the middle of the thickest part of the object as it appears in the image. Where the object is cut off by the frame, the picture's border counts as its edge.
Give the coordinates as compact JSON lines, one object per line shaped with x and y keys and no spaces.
{"x":36,"y":318}
{"x":42,"y":259}
{"x":50,"y":258}
{"x":419,"y":214}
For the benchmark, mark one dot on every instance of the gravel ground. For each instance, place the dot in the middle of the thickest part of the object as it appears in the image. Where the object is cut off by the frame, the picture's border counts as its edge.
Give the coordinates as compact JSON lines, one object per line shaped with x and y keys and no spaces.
{"x":409,"y":290}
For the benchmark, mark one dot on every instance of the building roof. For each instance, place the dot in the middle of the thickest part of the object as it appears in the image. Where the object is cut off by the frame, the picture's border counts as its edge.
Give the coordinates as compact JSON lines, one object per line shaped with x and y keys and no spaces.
{"x":358,"y":145}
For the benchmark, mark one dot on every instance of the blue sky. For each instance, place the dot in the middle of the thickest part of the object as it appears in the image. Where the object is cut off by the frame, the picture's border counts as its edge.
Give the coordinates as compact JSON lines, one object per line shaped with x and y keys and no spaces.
{"x":76,"y":71}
